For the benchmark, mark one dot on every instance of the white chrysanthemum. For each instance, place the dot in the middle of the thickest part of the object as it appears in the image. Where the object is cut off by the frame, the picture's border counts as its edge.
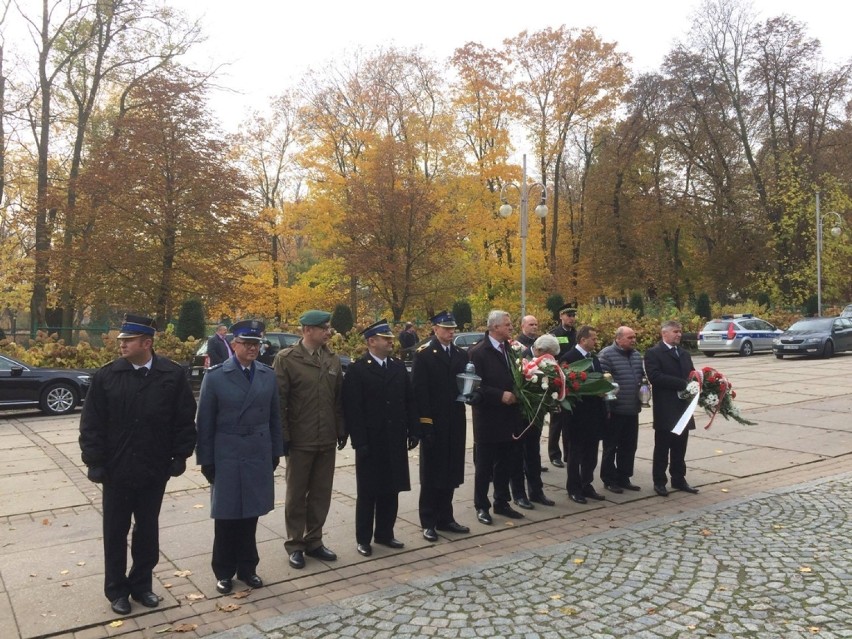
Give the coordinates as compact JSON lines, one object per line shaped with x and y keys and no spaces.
{"x":693,"y":388}
{"x":555,"y":395}
{"x":711,"y":400}
{"x":534,"y":379}
{"x":544,"y":384}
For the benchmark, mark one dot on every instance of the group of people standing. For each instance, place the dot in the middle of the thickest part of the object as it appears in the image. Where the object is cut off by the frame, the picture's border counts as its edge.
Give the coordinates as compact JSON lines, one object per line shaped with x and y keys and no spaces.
{"x":140,"y":423}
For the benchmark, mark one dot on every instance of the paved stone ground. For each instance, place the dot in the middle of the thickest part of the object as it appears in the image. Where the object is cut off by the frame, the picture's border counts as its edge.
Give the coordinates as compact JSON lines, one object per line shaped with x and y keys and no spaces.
{"x":773,"y":565}
{"x":51,"y":564}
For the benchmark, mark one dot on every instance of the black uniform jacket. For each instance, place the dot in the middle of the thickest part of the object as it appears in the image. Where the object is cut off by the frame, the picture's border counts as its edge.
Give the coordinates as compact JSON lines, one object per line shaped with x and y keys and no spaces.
{"x":442,"y":418}
{"x":380,"y":413}
{"x":134,"y":426}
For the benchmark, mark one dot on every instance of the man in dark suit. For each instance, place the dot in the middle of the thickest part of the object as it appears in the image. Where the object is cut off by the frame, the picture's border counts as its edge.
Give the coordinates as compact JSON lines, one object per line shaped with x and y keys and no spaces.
{"x":239,"y":446}
{"x":667,"y":366}
{"x":584,"y":425}
{"x":137,"y":430}
{"x":495,"y":419}
{"x":381,"y":416}
{"x":443,"y":426}
{"x":218,"y":349}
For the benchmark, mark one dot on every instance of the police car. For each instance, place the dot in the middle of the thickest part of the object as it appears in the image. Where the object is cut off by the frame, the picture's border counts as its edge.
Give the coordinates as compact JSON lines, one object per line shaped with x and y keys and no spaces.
{"x":744,"y":334}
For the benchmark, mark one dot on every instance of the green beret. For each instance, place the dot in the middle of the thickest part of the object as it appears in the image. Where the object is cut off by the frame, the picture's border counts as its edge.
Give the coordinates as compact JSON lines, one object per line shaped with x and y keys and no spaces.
{"x":314,"y":318}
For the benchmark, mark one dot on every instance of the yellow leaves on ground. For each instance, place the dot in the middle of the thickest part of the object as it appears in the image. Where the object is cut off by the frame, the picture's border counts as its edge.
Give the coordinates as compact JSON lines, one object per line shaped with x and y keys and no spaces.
{"x":118,"y":623}
{"x":182,"y":573}
{"x":195,"y":596}
{"x":228,"y":607}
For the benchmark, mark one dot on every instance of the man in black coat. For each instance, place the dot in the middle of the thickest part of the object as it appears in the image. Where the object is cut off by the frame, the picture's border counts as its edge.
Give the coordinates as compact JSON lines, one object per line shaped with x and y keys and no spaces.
{"x":381,"y":416}
{"x":584,"y":425}
{"x":218,"y":349}
{"x":137,"y":430}
{"x":496,"y":418}
{"x":443,"y":426}
{"x":668,"y":366}
{"x":566,"y":334}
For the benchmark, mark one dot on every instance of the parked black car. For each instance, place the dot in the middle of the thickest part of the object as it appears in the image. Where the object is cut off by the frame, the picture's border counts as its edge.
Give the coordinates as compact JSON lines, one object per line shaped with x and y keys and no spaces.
{"x":823,"y":336}
{"x":56,"y":391}
{"x":269,"y":347}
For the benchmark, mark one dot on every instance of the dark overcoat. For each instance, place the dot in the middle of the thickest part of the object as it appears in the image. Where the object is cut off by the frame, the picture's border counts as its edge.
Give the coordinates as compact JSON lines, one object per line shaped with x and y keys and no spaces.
{"x":494,"y":421}
{"x":434,"y":378}
{"x":380,"y":413}
{"x":217,"y":350}
{"x":239,"y":432}
{"x":134,"y":426}
{"x":668,"y":373}
{"x":589,"y":412}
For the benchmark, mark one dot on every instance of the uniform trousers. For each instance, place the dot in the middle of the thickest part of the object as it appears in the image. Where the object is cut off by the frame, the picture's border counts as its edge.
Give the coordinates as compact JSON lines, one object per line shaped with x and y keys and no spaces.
{"x":435,"y":505}
{"x":581,"y":445}
{"x":120,"y":503}
{"x":235,"y":548}
{"x":492,"y":463}
{"x":669,"y":451}
{"x":527,"y":465}
{"x":310,"y":476}
{"x":620,"y":438}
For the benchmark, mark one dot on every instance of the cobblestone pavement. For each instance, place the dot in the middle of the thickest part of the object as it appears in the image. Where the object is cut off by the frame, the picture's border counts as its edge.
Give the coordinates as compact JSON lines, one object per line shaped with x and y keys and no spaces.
{"x":774,"y":565}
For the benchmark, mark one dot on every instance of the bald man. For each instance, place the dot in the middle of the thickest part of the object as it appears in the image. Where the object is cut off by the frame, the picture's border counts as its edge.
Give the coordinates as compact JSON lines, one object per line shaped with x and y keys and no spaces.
{"x":529,"y":331}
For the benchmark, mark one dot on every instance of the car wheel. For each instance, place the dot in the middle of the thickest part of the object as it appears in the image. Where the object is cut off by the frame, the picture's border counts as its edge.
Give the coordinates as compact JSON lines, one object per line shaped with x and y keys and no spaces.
{"x":58,"y":399}
{"x":709,"y":353}
{"x":779,"y":356}
{"x":828,"y":349}
{"x":746,"y":349}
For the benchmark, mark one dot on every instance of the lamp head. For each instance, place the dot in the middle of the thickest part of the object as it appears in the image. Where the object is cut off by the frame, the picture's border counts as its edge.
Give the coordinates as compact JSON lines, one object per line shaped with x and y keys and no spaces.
{"x":505,"y":210}
{"x":541,"y":210}
{"x":836,"y":231}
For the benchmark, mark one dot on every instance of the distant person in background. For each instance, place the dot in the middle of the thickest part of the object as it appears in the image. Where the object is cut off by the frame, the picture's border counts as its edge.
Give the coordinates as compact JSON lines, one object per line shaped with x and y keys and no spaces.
{"x":529,"y":331}
{"x":407,"y":341}
{"x":566,"y":333}
{"x":218,"y":349}
{"x":136,"y":431}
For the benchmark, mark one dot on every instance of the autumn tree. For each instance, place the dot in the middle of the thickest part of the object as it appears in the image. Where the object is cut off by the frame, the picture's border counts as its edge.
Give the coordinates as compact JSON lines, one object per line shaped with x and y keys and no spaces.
{"x":166,"y":206}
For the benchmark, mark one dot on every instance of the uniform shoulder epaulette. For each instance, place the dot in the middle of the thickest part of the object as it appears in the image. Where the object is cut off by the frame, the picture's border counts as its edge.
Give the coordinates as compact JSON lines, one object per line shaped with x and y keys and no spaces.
{"x":215,"y":366}
{"x":422,"y":346}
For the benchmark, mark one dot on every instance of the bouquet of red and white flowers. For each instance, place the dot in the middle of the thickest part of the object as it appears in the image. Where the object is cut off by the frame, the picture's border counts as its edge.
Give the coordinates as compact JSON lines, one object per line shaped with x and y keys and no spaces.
{"x":542,"y":385}
{"x":716,"y":395}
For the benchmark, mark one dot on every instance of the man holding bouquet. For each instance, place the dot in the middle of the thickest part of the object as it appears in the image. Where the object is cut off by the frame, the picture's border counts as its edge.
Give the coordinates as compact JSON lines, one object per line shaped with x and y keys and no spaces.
{"x":668,"y":366}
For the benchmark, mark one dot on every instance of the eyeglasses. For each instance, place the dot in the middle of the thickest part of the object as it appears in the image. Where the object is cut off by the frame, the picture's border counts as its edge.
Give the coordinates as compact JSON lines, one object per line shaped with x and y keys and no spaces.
{"x":248,"y":344}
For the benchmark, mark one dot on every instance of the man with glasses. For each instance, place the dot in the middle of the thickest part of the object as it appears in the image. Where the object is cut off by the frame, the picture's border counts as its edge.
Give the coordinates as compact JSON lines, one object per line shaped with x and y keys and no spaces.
{"x":239,"y":445}
{"x":310,"y":383}
{"x":137,"y":430}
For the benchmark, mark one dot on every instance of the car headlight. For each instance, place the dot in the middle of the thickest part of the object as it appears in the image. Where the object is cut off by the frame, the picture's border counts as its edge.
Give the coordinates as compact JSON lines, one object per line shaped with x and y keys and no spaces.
{"x":813,"y":340}
{"x":84,"y":379}
{"x":776,"y":341}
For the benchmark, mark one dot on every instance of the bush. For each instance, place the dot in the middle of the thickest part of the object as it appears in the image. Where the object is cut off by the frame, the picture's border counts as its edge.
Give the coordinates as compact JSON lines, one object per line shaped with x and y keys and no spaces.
{"x":462,"y":313}
{"x":191,"y":320}
{"x":341,"y":319}
{"x":553,"y":304}
{"x":637,"y":303}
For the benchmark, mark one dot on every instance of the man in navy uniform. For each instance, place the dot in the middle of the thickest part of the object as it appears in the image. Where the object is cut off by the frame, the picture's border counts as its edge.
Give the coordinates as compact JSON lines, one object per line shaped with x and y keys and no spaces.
{"x":566,"y":334}
{"x":239,"y":446}
{"x":381,"y":417}
{"x":443,"y":427}
{"x":137,"y":430}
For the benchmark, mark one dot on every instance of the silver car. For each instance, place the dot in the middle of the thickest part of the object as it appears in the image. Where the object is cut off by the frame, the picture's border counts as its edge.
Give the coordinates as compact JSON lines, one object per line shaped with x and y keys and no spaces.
{"x":743,"y":334}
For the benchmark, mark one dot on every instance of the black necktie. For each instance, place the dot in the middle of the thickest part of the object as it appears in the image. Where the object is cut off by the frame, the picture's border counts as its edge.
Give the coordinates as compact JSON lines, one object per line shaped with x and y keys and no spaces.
{"x":247,"y":373}
{"x":385,"y":364}
{"x":675,"y":351}
{"x":142,"y":371}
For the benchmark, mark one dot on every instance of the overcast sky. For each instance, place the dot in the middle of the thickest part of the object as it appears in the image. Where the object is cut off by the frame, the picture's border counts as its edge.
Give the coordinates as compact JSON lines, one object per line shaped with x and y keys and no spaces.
{"x":268,"y":44}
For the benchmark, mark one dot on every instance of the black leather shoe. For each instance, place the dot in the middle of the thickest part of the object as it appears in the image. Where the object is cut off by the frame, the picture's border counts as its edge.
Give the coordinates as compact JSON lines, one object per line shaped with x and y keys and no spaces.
{"x":507,"y":511}
{"x":626,"y":485}
{"x":524,"y":503}
{"x":147,"y":599}
{"x":323,"y":553}
{"x":685,"y":488}
{"x":391,"y":543}
{"x":297,"y":559}
{"x":543,"y":500}
{"x":578,"y":498}
{"x":661,"y":490}
{"x":224,"y":586}
{"x":591,"y":493}
{"x":429,"y":534}
{"x":558,"y":463}
{"x":365,"y":550}
{"x":120,"y":606}
{"x":484,"y":517}
{"x":544,"y":469}
{"x":252,"y":581}
{"x":455,"y":527}
{"x":614,"y":489}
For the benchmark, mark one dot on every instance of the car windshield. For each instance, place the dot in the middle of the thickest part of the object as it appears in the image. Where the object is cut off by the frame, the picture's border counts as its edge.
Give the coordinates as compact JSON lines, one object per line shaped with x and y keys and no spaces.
{"x":812,"y":325}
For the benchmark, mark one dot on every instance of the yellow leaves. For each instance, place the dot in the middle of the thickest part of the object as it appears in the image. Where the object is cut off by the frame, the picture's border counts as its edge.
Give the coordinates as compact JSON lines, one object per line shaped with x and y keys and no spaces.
{"x":805,"y":569}
{"x":182,"y":573}
{"x":195,"y":596}
{"x":228,"y":607}
{"x":568,"y":610}
{"x":579,"y":561}
{"x":118,"y":623}
{"x":705,"y":532}
{"x":242,"y":594}
{"x":556,"y":596}
{"x":185,"y":627}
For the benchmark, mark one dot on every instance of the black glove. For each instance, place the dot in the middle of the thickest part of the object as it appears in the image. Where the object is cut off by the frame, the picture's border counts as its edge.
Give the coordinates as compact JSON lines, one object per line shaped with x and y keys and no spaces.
{"x":285,"y":448}
{"x":178,"y":467}
{"x":275,"y":462}
{"x":362,"y":451}
{"x":96,"y":474}
{"x":209,"y":472}
{"x":341,"y":442}
{"x":475,"y":398}
{"x":413,"y":440}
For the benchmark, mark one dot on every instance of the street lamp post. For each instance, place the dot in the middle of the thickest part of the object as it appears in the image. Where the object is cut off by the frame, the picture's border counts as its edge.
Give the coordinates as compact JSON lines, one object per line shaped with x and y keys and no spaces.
{"x":524,"y":190}
{"x":835,"y":231}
